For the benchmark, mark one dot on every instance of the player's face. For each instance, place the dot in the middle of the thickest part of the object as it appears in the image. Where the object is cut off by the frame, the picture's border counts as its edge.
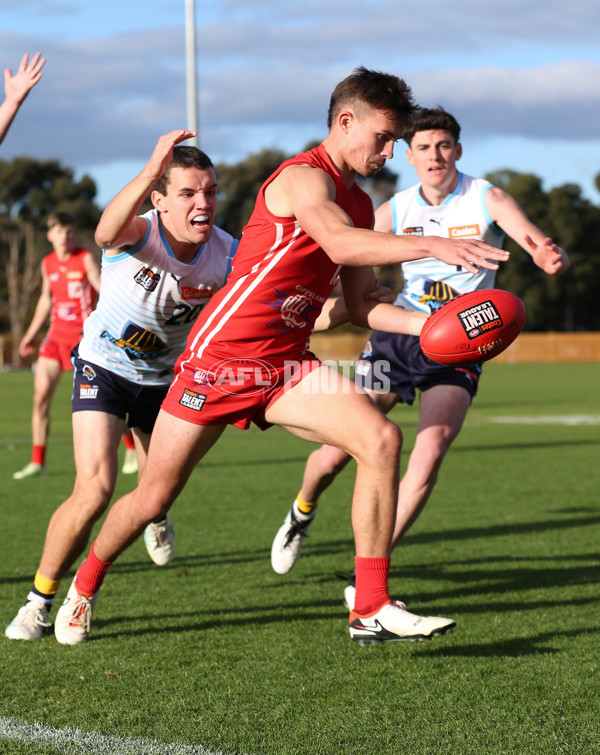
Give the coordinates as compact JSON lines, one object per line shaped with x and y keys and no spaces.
{"x":189,"y":205}
{"x":62,"y":238}
{"x":372,"y":135}
{"x":433,"y":154}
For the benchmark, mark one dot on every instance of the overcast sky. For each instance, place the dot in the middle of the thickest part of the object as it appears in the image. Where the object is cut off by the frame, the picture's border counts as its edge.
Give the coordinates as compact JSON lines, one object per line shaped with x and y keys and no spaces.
{"x":522,"y":77}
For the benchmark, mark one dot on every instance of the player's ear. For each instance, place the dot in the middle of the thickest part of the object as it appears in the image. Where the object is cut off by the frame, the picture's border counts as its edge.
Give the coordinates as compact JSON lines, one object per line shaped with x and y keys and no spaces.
{"x":409,"y":156}
{"x":158,"y":200}
{"x":458,"y":151}
{"x":345,"y":119}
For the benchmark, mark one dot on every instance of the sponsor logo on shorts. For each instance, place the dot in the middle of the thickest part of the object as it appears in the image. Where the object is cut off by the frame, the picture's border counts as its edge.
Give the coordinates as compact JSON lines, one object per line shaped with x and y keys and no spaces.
{"x":203,"y":377}
{"x":192,"y":400}
{"x":480,"y":319}
{"x":463,"y":231}
{"x":415,"y":230}
{"x":88,"y":372}
{"x":147,"y":278}
{"x":87,"y":391}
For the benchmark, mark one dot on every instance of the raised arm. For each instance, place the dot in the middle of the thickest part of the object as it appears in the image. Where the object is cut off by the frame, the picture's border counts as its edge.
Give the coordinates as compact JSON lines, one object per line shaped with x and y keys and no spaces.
{"x":509,"y":215}
{"x":309,"y":194}
{"x":17,"y":87}
{"x":119,"y":225}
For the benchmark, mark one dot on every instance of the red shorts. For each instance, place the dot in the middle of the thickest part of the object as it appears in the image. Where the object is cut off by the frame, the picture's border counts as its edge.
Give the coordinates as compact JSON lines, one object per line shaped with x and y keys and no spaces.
{"x":58,"y":351}
{"x":233,"y":391}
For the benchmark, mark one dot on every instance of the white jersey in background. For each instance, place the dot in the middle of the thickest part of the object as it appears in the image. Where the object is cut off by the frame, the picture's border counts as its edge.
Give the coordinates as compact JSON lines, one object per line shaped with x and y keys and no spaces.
{"x":149,"y":301}
{"x":463,"y":214}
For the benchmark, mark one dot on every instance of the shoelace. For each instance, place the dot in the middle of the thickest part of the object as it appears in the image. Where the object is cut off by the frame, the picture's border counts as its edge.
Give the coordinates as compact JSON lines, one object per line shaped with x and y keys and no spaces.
{"x":33,"y":616}
{"x":82,"y":613}
{"x":296,"y":528}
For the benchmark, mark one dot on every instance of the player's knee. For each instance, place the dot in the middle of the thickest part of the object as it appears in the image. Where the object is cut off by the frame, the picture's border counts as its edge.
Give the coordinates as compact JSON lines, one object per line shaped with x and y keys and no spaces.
{"x":383,"y":445}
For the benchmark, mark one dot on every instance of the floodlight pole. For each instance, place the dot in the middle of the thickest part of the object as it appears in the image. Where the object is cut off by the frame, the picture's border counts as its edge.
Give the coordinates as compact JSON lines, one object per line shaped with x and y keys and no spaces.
{"x":191,"y":85}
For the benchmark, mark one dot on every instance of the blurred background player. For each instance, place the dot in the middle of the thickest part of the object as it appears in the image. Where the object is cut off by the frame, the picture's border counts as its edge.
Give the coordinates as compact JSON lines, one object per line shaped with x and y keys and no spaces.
{"x":445,"y":203}
{"x":17,"y":87}
{"x":70,"y":282}
{"x":159,"y":270}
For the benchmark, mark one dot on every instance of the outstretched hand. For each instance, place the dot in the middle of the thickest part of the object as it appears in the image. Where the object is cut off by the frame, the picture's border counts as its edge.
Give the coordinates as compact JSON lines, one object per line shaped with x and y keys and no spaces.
{"x":470,"y":254}
{"x":548,"y":256}
{"x":17,"y":87}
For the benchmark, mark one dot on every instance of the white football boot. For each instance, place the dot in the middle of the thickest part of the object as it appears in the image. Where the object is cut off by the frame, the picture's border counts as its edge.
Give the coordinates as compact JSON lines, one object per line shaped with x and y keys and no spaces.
{"x":30,"y":623}
{"x":393,"y":622}
{"x":74,"y":617}
{"x":160,"y":541}
{"x":287,"y":544}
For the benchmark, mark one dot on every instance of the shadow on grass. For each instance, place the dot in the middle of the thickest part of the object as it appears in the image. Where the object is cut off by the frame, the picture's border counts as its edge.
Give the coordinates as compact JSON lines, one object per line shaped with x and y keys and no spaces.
{"x":510,"y":648}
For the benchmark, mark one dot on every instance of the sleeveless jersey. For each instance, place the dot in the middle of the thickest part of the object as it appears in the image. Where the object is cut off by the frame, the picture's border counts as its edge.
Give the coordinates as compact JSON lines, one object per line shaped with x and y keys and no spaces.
{"x":148,"y":302}
{"x":428,"y":283}
{"x":73,"y":296}
{"x":279,"y":282}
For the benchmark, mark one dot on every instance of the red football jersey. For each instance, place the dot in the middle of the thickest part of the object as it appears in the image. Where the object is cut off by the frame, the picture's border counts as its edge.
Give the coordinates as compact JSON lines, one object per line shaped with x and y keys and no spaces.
{"x":279,"y":282}
{"x":73,"y":296}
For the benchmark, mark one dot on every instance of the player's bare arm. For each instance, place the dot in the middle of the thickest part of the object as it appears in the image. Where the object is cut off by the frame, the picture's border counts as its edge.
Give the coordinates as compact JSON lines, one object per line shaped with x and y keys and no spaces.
{"x":120,"y":225}
{"x":509,"y":215}
{"x":384,"y":220}
{"x":309,"y":194}
{"x":375,"y":315}
{"x":43,"y":308}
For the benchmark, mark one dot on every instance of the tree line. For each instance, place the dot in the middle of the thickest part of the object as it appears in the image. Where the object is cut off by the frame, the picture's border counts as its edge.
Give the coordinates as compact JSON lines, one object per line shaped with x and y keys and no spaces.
{"x":30,"y":190}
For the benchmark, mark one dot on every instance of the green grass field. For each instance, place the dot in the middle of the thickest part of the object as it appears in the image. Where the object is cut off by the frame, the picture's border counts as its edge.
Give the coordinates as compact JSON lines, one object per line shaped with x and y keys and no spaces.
{"x":217,"y":654}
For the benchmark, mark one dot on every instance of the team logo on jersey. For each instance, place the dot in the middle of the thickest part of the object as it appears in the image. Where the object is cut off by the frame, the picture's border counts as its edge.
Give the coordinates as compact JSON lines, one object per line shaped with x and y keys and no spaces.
{"x":138,"y":343}
{"x":147,"y":278}
{"x":436,"y":293}
{"x":480,"y":319}
{"x":74,"y":275}
{"x":192,"y":400}
{"x":88,"y":372}
{"x":464,"y":231}
{"x":294,"y":310}
{"x":415,"y":230}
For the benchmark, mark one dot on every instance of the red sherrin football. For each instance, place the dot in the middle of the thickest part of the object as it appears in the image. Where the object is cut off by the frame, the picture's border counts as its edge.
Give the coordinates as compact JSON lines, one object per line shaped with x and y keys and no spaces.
{"x":473,"y":327}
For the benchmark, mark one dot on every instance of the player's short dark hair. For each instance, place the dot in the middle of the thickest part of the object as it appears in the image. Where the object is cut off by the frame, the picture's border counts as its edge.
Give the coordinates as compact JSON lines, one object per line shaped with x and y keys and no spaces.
{"x":381,"y":91}
{"x":60,"y":218}
{"x":183,"y":157}
{"x":432,"y":119}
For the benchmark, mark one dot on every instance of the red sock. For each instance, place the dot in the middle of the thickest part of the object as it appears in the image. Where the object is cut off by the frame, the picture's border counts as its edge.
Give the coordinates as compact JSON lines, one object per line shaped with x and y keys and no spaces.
{"x":91,"y":573}
{"x":38,"y":455}
{"x":128,"y":441}
{"x":371,"y":584}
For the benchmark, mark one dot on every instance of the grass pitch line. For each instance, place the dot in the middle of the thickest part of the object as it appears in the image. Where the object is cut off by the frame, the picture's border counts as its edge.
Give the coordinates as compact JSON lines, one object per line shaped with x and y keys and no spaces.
{"x":548,"y":419}
{"x":70,"y":741}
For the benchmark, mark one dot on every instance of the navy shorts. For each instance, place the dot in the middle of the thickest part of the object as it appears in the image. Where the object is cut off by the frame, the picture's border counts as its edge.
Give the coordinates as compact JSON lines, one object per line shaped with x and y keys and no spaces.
{"x":99,"y":390}
{"x":392,"y":363}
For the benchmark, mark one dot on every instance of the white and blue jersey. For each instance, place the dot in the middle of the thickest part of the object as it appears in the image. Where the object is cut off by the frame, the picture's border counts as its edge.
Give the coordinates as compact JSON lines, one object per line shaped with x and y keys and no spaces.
{"x":148,"y":302}
{"x":428,"y":283}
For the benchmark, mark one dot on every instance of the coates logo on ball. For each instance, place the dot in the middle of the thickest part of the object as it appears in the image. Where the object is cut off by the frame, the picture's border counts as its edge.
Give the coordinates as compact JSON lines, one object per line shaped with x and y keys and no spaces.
{"x":473,"y":327}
